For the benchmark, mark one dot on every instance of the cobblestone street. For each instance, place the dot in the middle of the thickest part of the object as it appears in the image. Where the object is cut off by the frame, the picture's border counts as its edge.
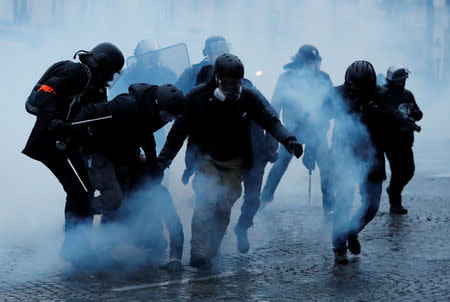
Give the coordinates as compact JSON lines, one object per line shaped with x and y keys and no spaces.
{"x":403,"y":258}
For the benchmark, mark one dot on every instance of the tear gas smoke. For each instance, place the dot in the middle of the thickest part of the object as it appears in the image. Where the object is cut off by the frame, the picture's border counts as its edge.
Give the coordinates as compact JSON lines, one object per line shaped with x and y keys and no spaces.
{"x":265,"y":37}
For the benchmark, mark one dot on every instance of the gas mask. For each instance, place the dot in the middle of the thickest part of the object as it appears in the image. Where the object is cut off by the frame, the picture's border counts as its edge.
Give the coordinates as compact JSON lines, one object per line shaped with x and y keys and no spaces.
{"x":228,"y":87}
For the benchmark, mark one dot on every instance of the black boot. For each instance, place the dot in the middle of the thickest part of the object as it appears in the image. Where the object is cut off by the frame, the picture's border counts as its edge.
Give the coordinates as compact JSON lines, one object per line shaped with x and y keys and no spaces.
{"x":242,"y":240}
{"x":340,"y":256}
{"x":398,"y":209}
{"x":353,"y":244}
{"x":200,"y":262}
{"x":396,"y":203}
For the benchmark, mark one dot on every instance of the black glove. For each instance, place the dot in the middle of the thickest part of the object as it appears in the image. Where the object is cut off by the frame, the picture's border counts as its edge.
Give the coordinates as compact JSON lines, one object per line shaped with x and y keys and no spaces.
{"x":173,"y":266}
{"x":58,"y":128}
{"x":61,"y":146}
{"x":309,"y":157}
{"x":186,"y":175}
{"x":416,"y":115}
{"x":294,"y":147}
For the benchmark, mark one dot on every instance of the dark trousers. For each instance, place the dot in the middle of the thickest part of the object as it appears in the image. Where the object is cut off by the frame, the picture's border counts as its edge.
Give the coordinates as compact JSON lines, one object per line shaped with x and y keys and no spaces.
{"x":402,"y":166}
{"x":252,"y":189}
{"x":77,"y":208}
{"x":277,"y":171}
{"x":139,"y":206}
{"x":343,"y":224}
{"x":280,"y":166}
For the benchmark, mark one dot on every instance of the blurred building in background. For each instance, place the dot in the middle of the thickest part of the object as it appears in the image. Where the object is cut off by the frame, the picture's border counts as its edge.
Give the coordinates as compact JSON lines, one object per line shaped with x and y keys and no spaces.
{"x":28,"y":20}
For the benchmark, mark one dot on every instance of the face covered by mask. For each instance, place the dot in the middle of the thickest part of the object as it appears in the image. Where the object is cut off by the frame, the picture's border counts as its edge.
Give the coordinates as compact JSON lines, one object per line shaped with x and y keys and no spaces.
{"x":231,"y":88}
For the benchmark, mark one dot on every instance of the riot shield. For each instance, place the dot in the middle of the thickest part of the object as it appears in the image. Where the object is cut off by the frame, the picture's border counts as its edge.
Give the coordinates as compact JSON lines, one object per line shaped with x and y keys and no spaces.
{"x":156,"y":67}
{"x":161,"y":66}
{"x":175,"y":57}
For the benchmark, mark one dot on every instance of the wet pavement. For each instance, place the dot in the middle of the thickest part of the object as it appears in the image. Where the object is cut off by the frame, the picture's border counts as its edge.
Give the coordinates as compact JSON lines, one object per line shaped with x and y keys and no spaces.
{"x":404,"y":258}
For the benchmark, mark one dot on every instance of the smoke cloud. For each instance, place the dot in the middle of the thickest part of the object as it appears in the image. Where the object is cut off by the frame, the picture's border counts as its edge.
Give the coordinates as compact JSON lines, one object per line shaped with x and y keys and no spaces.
{"x":265,"y":36}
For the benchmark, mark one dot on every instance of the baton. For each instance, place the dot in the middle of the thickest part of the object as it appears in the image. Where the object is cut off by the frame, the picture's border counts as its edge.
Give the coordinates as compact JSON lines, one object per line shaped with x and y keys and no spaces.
{"x":91,"y":120}
{"x":309,"y":187}
{"x":76,"y":173}
{"x":62,"y":147}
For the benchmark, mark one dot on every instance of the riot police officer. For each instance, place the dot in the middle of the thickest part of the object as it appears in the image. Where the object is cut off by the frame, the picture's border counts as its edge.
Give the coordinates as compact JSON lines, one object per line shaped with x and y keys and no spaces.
{"x":214,"y":47}
{"x":60,"y":93}
{"x":217,"y":124}
{"x":299,"y":94}
{"x":356,"y":154}
{"x":264,"y":149}
{"x":399,"y":135}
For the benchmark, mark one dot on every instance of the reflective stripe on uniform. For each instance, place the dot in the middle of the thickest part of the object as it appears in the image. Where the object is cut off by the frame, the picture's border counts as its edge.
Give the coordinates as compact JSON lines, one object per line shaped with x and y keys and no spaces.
{"x":46,"y":88}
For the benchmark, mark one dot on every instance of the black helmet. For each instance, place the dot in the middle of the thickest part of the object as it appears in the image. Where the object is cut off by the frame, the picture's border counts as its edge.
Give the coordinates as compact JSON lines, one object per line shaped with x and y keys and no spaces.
{"x":214,"y":40}
{"x":228,"y":65}
{"x":144,"y":46}
{"x":171,"y":99}
{"x":109,"y":57}
{"x":306,"y":54}
{"x":105,"y":59}
{"x":361,"y":77}
{"x":395,"y":73}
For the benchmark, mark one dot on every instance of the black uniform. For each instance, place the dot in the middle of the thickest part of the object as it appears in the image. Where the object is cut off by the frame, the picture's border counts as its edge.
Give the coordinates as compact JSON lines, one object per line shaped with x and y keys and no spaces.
{"x":264,"y":149}
{"x":220,"y":150}
{"x":398,"y":141}
{"x":187,"y":79}
{"x":300,"y":93}
{"x":65,"y":87}
{"x":356,"y":158}
{"x":135,"y":116}
{"x":156,"y":75}
{"x":220,"y":129}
